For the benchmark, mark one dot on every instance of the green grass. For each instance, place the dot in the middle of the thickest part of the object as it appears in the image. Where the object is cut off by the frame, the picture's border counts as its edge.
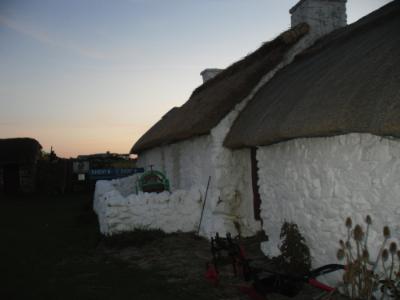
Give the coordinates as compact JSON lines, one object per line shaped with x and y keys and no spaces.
{"x":48,"y":250}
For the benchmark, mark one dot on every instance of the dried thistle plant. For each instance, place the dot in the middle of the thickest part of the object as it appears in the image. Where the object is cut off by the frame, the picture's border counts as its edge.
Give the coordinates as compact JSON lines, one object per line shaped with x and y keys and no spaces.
{"x":363,"y":279}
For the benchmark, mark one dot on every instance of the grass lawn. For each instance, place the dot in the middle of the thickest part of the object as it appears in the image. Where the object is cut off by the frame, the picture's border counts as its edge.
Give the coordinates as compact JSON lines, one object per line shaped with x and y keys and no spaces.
{"x":48,"y":250}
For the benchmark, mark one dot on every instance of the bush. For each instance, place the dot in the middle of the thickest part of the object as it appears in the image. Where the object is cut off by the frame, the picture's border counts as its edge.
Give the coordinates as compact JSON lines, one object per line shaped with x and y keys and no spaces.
{"x":295,"y":255}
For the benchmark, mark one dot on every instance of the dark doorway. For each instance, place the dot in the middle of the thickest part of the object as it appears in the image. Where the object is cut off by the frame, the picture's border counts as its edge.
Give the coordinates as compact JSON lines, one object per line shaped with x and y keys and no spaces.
{"x":11,"y":179}
{"x":254,"y":179}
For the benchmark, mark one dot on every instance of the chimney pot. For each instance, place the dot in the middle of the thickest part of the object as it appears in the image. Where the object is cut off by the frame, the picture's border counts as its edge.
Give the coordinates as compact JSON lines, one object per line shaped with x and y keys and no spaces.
{"x":323,"y":16}
{"x":208,"y":74}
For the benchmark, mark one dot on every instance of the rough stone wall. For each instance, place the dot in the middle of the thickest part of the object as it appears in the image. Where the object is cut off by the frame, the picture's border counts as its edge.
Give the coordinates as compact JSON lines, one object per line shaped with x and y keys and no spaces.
{"x":323,"y":16}
{"x":189,"y":164}
{"x":230,"y":207}
{"x":119,"y":209}
{"x":318,"y":182}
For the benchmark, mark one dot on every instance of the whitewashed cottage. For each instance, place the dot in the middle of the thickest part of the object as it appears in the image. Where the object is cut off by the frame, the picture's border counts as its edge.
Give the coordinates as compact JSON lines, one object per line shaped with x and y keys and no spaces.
{"x":187,"y":143}
{"x":327,"y":131}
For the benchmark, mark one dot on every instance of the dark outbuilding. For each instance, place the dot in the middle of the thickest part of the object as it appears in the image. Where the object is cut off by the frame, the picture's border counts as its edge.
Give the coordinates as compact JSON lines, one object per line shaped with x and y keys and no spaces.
{"x":18,"y":162}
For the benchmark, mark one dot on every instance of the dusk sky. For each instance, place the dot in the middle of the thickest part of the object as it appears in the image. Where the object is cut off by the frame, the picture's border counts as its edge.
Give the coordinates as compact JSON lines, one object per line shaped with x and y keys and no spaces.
{"x":88,"y":76}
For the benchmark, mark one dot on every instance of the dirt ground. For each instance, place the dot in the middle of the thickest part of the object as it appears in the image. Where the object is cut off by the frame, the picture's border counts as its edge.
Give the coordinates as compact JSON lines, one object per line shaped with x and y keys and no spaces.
{"x":51,"y":249}
{"x":182,"y":259}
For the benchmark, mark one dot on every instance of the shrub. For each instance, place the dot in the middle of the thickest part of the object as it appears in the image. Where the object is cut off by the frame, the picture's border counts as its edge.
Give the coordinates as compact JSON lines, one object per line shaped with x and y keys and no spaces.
{"x":295,"y":255}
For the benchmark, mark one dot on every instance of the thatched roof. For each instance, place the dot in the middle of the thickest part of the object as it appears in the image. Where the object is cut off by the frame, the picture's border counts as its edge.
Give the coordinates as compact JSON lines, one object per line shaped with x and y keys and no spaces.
{"x":347,"y":82}
{"x":213,"y":100}
{"x":19,"y":151}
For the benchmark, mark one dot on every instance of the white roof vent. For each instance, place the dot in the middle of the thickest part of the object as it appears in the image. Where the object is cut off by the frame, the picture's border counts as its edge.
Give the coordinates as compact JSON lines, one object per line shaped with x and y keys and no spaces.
{"x":207,"y":74}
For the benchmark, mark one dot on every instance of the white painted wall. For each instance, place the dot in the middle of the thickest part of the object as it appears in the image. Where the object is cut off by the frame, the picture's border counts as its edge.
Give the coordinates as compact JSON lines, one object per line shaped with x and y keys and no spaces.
{"x":186,"y":163}
{"x":232,"y":195}
{"x":171,"y":212}
{"x":318,"y":182}
{"x":190,"y":163}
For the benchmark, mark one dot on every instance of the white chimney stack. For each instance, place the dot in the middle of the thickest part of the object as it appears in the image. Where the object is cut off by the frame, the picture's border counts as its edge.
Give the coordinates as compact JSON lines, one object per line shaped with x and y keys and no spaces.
{"x":207,"y":74}
{"x":323,"y":16}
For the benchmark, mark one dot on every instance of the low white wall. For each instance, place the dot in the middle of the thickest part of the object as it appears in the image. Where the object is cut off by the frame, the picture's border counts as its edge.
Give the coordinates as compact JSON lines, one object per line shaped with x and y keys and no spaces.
{"x":318,"y":182}
{"x":171,"y":212}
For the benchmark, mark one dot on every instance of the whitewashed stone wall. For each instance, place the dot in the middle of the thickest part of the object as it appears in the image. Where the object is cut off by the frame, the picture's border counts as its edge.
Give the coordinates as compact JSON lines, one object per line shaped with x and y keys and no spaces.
{"x":189,"y":164}
{"x":186,"y":163}
{"x":318,"y":182}
{"x":119,"y":209}
{"x":230,"y":208}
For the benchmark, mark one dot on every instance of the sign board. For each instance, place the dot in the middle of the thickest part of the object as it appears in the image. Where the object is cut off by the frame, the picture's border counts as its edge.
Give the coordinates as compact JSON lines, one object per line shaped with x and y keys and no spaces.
{"x":80,"y":167}
{"x":106,"y":174}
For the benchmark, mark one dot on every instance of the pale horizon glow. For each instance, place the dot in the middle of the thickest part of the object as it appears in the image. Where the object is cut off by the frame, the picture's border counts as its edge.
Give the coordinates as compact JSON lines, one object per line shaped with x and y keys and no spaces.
{"x":92,"y":76}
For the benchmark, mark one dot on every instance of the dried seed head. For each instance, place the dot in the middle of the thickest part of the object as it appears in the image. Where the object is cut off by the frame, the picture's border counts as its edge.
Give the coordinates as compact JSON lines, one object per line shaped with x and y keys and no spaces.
{"x":365,"y":255}
{"x":368,"y":220}
{"x":358,"y":233}
{"x":348,"y":245}
{"x":349,"y":222}
{"x":340,"y":254}
{"x":346,"y":277}
{"x":375,"y":284}
{"x":393,"y":248}
{"x":386,"y":232}
{"x":385,"y":255}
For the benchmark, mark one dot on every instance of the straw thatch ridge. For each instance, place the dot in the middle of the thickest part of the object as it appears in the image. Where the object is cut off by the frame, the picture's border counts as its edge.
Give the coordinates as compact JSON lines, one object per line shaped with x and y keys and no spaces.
{"x":294,"y":8}
{"x":348,"y":82}
{"x":213,"y":100}
{"x":19,"y":151}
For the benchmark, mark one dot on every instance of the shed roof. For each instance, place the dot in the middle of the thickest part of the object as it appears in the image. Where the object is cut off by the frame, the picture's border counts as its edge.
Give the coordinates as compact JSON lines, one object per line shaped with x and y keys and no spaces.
{"x":213,"y":100}
{"x":19,"y":150}
{"x":347,"y":82}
